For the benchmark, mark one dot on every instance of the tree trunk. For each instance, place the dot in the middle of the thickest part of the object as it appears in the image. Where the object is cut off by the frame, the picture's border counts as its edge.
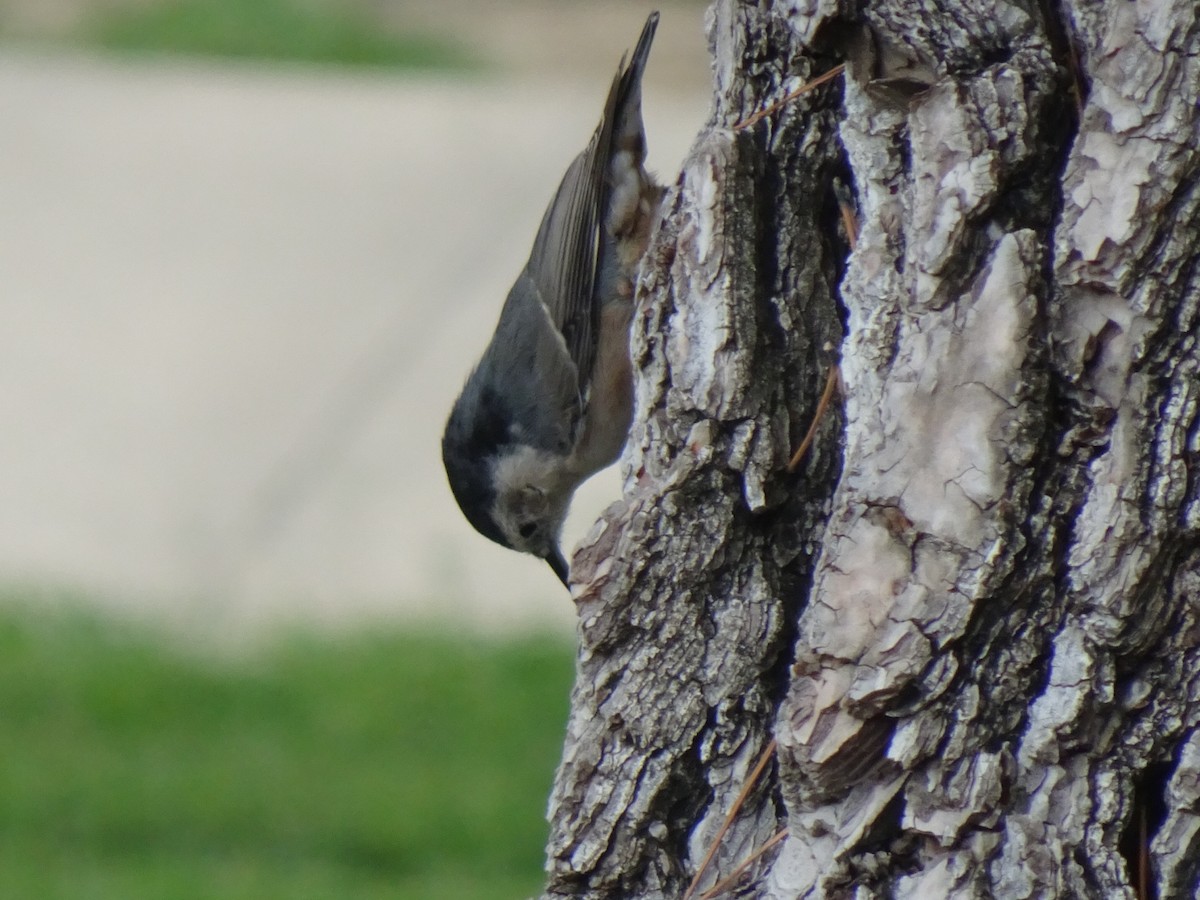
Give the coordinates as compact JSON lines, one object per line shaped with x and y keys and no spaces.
{"x":971,"y":620}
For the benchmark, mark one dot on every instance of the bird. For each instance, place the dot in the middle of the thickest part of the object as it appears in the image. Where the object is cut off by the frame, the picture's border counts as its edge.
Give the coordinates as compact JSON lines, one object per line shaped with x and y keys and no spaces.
{"x":550,"y":401}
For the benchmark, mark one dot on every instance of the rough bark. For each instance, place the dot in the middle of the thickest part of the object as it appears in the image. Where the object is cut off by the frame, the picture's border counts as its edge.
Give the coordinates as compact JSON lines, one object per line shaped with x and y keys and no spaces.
{"x":971,"y":621}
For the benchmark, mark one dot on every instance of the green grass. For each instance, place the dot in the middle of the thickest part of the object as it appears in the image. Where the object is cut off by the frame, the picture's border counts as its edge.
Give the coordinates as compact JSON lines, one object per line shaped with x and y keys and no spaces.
{"x":315,"y":31}
{"x":397,"y":766}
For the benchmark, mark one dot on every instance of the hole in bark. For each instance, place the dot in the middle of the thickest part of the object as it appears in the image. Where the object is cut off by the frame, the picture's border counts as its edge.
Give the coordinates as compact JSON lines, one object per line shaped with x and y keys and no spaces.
{"x":839,"y":190}
{"x":884,"y":850}
{"x":1148,"y":809}
{"x":882,"y":834}
{"x":681,"y":801}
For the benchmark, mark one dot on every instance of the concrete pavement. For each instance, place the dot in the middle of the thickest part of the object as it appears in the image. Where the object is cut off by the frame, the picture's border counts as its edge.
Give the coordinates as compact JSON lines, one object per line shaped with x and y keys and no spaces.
{"x":235,"y":305}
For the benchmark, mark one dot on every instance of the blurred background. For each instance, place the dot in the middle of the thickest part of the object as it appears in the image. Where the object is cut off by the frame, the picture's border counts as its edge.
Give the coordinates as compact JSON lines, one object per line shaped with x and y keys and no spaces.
{"x":249,"y":250}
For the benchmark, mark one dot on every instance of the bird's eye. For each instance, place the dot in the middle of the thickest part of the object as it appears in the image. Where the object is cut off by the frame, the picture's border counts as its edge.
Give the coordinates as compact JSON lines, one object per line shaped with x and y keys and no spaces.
{"x":527,"y":529}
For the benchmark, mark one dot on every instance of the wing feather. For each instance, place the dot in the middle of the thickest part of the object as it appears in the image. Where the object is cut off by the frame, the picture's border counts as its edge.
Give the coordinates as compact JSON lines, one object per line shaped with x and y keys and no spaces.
{"x":566,"y":256}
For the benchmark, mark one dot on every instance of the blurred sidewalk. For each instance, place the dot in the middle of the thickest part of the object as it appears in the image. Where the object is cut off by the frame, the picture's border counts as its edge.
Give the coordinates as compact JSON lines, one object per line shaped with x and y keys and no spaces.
{"x":235,"y":306}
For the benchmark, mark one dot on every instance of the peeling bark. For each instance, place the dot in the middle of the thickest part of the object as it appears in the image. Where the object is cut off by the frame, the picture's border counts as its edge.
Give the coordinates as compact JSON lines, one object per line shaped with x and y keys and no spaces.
{"x":971,"y":619}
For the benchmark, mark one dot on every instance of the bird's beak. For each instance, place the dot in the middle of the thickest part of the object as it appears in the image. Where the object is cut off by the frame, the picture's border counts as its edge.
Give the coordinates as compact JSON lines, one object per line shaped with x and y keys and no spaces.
{"x":559,"y":565}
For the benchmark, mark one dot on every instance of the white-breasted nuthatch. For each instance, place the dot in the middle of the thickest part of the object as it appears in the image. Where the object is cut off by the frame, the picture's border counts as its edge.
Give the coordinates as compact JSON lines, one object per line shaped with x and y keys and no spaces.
{"x":549,"y":403}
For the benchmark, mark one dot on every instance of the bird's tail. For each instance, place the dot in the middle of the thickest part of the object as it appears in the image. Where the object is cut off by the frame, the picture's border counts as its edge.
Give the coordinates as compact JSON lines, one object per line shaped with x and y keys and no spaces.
{"x":625,"y":100}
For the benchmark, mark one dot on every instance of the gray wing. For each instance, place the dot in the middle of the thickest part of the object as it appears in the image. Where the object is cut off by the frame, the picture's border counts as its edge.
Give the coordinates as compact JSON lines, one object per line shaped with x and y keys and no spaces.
{"x":565,"y":260}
